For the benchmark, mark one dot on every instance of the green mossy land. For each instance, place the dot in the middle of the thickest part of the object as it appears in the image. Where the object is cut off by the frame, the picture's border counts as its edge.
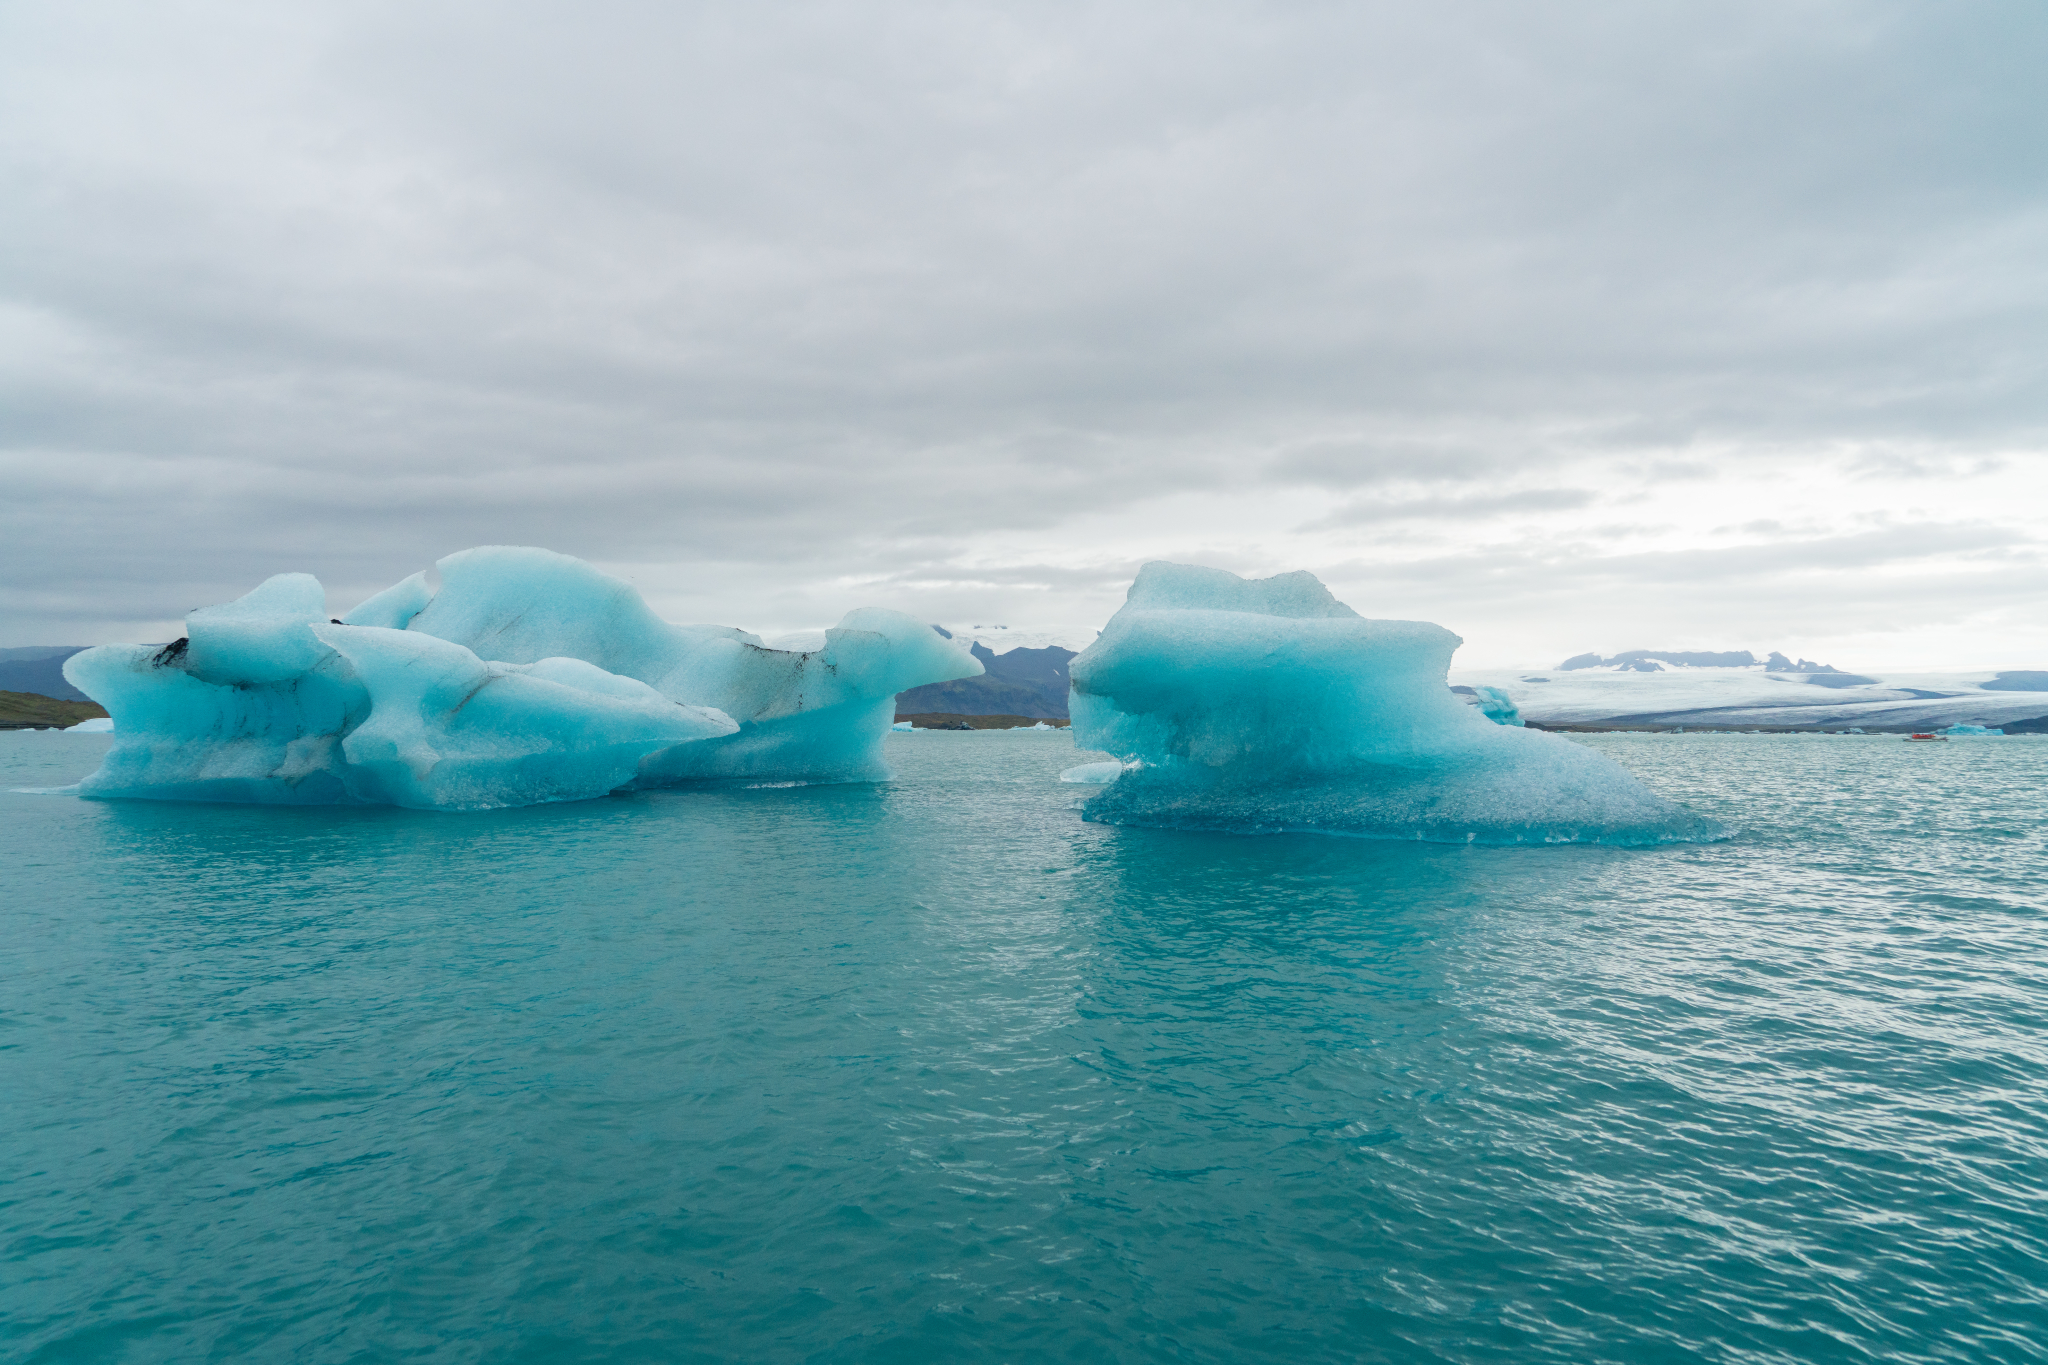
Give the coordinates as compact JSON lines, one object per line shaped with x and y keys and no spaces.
{"x":33,"y":711}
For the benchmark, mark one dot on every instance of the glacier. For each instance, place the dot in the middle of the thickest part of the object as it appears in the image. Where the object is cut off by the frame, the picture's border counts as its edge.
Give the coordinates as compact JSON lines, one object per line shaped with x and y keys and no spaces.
{"x":527,"y":676}
{"x":1266,"y":705}
{"x":1704,"y":697}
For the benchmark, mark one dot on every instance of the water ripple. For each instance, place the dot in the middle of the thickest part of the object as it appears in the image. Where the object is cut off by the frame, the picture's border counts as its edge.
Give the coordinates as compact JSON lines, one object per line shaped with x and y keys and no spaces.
{"x":934,"y":1071}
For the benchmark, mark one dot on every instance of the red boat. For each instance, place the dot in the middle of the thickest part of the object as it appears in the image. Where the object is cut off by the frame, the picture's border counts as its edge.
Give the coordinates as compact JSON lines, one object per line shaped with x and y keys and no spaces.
{"x":1942,"y":738}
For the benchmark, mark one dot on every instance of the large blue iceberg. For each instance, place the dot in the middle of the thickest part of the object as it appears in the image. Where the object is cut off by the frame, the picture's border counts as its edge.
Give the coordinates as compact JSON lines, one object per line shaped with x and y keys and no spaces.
{"x":528,"y":676}
{"x":1268,"y":705}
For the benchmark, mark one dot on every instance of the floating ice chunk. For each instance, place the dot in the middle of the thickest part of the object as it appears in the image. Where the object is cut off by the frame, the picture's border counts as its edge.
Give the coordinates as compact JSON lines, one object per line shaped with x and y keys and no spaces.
{"x":1497,"y":706}
{"x":448,"y":730}
{"x":1094,"y":774}
{"x":519,"y":605}
{"x":248,"y":706}
{"x":529,"y":676}
{"x":97,"y":725}
{"x":1269,"y":705}
{"x":818,"y":715}
{"x":903,"y":725}
{"x":1968,"y":730}
{"x":1041,"y":726}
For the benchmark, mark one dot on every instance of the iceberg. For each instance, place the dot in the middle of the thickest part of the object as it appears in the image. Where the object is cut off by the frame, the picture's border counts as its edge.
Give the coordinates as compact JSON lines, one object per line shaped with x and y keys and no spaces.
{"x":1267,"y":705}
{"x":1968,"y":730}
{"x":96,"y":725}
{"x":528,"y":676}
{"x":1496,"y":705}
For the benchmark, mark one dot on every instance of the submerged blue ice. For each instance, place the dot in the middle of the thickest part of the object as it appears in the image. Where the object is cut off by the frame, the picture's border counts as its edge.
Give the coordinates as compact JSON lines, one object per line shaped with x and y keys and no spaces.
{"x":1266,"y":705}
{"x":528,"y":676}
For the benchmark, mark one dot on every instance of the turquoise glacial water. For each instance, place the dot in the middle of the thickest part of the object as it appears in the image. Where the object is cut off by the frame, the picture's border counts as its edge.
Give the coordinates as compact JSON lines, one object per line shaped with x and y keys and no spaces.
{"x":934,"y":1071}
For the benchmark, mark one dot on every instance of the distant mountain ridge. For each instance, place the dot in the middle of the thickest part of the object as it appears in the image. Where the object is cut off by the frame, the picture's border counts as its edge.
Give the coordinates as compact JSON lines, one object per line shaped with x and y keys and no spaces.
{"x":39,"y":669}
{"x":1017,"y":682}
{"x":1659,"y":660}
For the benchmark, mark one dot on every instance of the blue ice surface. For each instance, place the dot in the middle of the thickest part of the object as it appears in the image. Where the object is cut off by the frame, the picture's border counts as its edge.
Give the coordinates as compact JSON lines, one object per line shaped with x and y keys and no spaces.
{"x":1497,"y":706}
{"x":528,"y":677}
{"x":1267,"y":705}
{"x":1968,"y":730}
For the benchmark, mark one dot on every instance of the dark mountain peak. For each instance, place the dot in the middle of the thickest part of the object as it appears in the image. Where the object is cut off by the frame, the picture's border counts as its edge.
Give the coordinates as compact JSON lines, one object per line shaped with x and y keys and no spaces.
{"x":39,"y":669}
{"x":1657,"y":660}
{"x":1778,"y":663}
{"x":1017,"y":682}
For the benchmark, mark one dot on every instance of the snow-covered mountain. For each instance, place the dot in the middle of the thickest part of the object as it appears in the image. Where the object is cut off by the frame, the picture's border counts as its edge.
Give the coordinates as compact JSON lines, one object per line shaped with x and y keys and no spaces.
{"x":1617,"y":692}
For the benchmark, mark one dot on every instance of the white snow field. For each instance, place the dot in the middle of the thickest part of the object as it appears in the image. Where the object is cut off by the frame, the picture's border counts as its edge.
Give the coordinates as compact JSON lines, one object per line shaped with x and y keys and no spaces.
{"x":1741,"y":698}
{"x":528,"y":676}
{"x":1268,"y":705}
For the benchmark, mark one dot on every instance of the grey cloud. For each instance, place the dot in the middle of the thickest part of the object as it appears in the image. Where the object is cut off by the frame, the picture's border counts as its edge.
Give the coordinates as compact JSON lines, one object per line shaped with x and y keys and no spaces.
{"x":797,"y":293}
{"x":1673,"y":471}
{"x":1891,"y":464}
{"x":1872,"y":584}
{"x":1471,"y":507}
{"x":1533,"y":570}
{"x":1354,"y":463}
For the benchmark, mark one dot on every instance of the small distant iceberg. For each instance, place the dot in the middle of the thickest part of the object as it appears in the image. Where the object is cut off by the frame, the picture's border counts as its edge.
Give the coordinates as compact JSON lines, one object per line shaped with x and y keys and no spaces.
{"x":1497,"y":706}
{"x":527,"y":677}
{"x":1967,"y":730}
{"x":903,"y":725}
{"x":1267,"y":705}
{"x":98,"y":725}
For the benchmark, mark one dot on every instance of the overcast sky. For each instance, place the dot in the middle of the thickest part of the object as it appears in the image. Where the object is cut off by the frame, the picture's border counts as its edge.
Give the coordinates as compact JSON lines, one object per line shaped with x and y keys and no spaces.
{"x":1569,"y":326}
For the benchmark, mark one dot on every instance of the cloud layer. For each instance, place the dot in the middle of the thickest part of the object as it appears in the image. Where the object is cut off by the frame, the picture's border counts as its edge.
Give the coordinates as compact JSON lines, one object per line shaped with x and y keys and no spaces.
{"x":1572,"y":327}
